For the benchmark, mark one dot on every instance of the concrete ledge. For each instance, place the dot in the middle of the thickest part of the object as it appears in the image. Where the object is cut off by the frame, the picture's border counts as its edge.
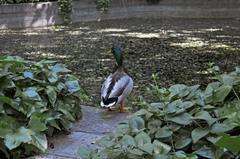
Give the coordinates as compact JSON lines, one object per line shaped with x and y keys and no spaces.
{"x":45,"y":14}
{"x":29,"y":15}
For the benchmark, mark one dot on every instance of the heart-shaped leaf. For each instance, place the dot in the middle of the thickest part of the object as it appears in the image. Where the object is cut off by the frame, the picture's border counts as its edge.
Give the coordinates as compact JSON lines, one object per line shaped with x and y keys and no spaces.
{"x":160,"y":147}
{"x":163,"y":132}
{"x":182,"y":143}
{"x":198,"y":133}
{"x":182,"y":119}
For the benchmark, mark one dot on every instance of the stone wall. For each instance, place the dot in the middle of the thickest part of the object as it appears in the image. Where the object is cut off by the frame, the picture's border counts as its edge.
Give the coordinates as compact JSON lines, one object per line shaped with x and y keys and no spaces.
{"x":45,"y":14}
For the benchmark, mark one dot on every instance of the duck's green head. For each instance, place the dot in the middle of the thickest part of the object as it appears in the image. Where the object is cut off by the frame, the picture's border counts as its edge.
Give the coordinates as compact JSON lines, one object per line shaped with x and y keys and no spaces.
{"x":118,"y":54}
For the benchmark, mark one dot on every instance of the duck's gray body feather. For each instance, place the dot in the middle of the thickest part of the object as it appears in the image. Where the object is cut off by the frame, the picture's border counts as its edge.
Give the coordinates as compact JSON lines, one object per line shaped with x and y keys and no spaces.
{"x":116,"y":88}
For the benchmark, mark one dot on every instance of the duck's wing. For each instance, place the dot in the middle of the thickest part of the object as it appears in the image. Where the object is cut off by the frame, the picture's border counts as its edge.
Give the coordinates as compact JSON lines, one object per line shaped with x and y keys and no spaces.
{"x":106,"y":86}
{"x":128,"y":87}
{"x":119,"y":86}
{"x":106,"y":100}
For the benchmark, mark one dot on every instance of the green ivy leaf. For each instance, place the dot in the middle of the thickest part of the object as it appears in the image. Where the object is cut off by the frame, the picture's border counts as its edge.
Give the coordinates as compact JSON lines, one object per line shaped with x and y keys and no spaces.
{"x":221,"y":93}
{"x":52,"y":77}
{"x":22,"y":135}
{"x":142,"y":138}
{"x":136,"y":123}
{"x":59,"y":68}
{"x":36,"y":124}
{"x":160,"y":156}
{"x":182,"y":119}
{"x":204,"y":115}
{"x":183,"y":142}
{"x":60,"y":86}
{"x":52,"y":95}
{"x":179,"y":90}
{"x":54,"y":124}
{"x":105,"y":141}
{"x":128,"y":140}
{"x":160,"y":147}
{"x":198,"y":133}
{"x":136,"y":152}
{"x":205,"y":152}
{"x":173,"y":106}
{"x":218,"y":128}
{"x":145,"y":113}
{"x":7,"y":125}
{"x":31,"y":94}
{"x":66,"y":123}
{"x":40,"y":141}
{"x":231,"y":143}
{"x":72,"y":86}
{"x":187,"y":105}
{"x":154,"y":125}
{"x":227,"y":79}
{"x":148,"y":147}
{"x":163,"y":132}
{"x":208,"y":93}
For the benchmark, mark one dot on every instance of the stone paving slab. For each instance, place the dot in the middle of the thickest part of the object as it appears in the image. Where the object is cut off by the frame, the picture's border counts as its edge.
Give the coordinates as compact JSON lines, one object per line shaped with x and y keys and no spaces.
{"x":67,"y":146}
{"x":95,"y":123}
{"x":99,"y":121}
{"x":48,"y":156}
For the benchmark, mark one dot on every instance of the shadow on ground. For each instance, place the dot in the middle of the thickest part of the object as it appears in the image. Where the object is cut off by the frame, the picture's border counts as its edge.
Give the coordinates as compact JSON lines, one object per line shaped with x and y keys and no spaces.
{"x":178,"y":50}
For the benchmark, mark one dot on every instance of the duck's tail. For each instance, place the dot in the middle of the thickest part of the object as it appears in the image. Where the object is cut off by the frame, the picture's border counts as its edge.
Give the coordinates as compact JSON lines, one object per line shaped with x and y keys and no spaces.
{"x":108,"y":102}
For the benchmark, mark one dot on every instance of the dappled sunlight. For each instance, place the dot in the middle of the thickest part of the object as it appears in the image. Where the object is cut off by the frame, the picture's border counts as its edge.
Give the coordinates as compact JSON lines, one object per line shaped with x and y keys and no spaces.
{"x":224,"y":46}
{"x":211,"y":30}
{"x":178,"y":35}
{"x":228,"y":36}
{"x":117,"y":35}
{"x":187,"y":31}
{"x":136,"y":35}
{"x":191,"y":42}
{"x":34,"y":33}
{"x":47,"y":55}
{"x":57,"y":28}
{"x":112,"y":30}
{"x":92,"y":39}
{"x":219,"y":45}
{"x":143,"y":35}
{"x":75,"y":32}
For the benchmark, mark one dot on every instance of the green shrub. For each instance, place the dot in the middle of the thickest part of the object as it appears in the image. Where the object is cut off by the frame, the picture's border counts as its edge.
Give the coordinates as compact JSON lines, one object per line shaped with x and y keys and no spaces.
{"x":36,"y":98}
{"x":183,"y":122}
{"x":103,"y":4}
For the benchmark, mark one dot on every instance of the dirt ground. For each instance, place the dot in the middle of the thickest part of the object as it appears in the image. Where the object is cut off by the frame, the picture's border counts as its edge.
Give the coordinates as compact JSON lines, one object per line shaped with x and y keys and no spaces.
{"x":177,"y":50}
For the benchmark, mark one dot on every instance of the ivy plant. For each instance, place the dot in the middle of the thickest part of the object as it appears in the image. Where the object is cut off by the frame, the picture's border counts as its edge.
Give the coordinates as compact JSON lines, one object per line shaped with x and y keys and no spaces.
{"x":103,"y":4}
{"x":182,"y":122}
{"x":65,"y":10}
{"x":36,"y":99}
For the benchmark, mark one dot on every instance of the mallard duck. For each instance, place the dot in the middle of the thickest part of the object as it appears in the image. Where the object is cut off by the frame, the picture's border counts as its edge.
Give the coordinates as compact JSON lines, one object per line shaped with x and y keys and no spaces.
{"x":118,"y":85}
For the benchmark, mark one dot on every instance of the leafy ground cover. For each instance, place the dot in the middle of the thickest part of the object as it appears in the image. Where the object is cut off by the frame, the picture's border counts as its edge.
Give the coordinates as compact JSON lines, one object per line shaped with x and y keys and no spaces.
{"x":183,"y":122}
{"x":36,"y":99}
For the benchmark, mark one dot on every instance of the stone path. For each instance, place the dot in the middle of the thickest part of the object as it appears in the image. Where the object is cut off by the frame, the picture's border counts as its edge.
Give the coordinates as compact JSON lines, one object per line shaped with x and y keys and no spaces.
{"x":94,"y":124}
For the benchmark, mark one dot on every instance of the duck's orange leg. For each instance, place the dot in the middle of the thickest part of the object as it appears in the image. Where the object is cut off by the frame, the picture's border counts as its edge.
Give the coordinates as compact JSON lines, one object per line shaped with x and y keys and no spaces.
{"x":111,"y":109}
{"x":122,"y":109}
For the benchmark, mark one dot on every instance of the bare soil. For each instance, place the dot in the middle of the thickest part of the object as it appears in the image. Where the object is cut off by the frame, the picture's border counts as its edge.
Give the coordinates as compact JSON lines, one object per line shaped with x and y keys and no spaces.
{"x":177,"y":50}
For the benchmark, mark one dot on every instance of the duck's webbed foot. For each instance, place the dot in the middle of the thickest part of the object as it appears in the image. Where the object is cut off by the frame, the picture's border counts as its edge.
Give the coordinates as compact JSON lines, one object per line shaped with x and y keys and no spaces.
{"x":122,"y":109}
{"x":111,"y":109}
